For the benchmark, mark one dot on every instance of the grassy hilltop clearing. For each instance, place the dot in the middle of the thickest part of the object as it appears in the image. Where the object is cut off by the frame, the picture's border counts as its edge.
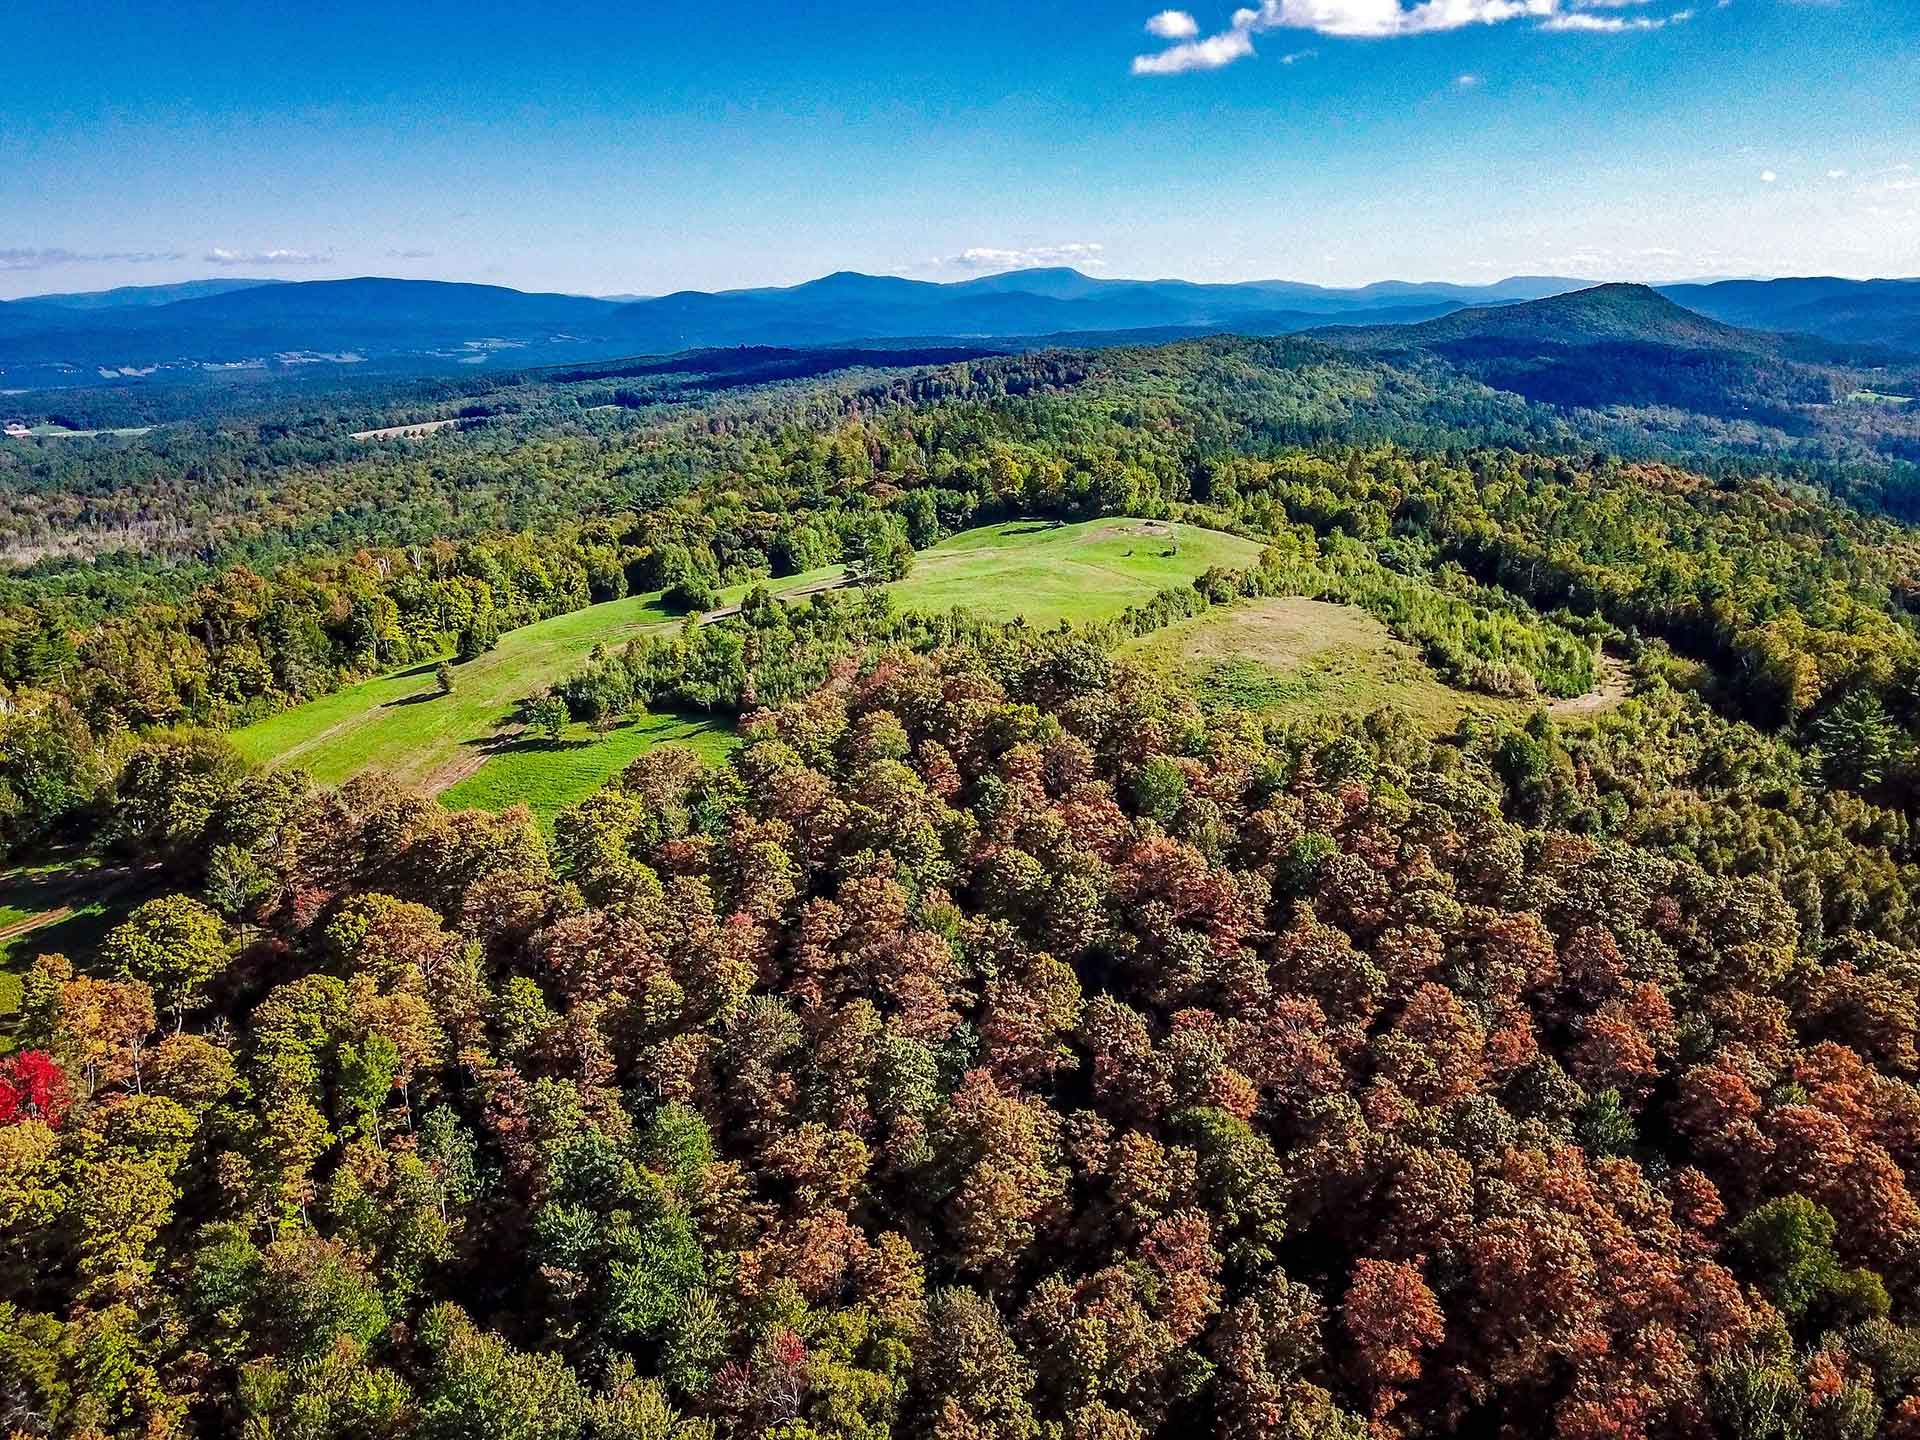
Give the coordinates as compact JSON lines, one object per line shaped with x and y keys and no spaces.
{"x":1307,"y":657}
{"x":1310,"y":658}
{"x":1042,"y":572}
{"x":452,"y":744}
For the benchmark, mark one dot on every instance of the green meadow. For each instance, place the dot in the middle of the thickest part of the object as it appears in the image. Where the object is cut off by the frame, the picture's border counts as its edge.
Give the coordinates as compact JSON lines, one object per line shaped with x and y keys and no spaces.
{"x":548,"y":778}
{"x":453,"y":745}
{"x":1041,"y":572}
{"x":402,"y":724}
{"x":1312,"y":658}
{"x":1306,"y":657}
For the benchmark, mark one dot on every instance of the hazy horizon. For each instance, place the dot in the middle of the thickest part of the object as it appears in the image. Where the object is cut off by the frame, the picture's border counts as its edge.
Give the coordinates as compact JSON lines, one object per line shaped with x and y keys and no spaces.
{"x":634,"y":296}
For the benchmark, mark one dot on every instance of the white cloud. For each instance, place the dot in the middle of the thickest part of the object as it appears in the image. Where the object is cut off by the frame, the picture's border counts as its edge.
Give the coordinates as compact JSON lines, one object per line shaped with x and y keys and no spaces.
{"x":1767,"y":177}
{"x":1582,"y":22}
{"x":1379,"y":19}
{"x":1836,"y":174}
{"x":1468,"y":82}
{"x":1083,"y":254}
{"x":47,"y":259}
{"x":1383,"y":20}
{"x":221,"y":256}
{"x":1208,"y":54}
{"x":1173,"y":25}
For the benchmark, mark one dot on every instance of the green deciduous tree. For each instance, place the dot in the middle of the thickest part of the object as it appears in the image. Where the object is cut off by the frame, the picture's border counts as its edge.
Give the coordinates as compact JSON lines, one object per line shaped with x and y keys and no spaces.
{"x":173,"y":943}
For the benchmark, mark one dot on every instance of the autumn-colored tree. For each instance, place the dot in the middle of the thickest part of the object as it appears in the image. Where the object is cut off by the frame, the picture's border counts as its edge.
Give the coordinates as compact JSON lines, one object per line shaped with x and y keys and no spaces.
{"x":1392,"y":1318}
{"x":98,"y":1029}
{"x":33,"y":1087}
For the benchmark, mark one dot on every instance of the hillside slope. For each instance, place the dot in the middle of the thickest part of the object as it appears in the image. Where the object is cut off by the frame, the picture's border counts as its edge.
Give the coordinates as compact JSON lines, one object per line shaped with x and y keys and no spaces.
{"x":1603,"y":314}
{"x":1628,"y":346}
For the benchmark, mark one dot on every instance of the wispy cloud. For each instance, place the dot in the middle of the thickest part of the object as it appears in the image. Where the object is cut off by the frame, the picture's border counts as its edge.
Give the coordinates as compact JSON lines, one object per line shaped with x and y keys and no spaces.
{"x":1380,"y":20}
{"x":1468,"y":82}
{"x":1208,"y":54}
{"x":47,"y":259}
{"x":410,"y":254}
{"x":221,"y":256}
{"x":1173,"y":25}
{"x":1085,"y":254}
{"x":1585,"y":21}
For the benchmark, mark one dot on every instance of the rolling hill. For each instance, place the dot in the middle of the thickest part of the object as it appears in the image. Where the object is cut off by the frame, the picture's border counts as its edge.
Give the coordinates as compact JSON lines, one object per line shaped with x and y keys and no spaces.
{"x":1602,"y":314}
{"x":1629,"y":346}
{"x":178,"y":332}
{"x":1031,"y":303}
{"x":146,"y":296}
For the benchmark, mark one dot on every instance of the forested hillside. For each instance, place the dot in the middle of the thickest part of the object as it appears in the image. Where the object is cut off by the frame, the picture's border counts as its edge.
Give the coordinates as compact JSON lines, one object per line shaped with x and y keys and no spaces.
{"x":1005,"y":1040}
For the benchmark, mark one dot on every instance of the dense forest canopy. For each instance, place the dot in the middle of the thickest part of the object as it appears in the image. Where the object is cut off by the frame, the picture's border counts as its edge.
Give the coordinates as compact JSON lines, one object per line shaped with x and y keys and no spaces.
{"x":1001,"y":1043}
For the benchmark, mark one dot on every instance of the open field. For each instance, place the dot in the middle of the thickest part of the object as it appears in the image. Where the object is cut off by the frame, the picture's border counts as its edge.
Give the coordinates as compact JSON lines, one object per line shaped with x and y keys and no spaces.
{"x":1046,"y":572}
{"x":60,"y":432}
{"x":404,"y":725}
{"x":453,"y":745}
{"x":548,"y":778}
{"x":388,"y":432}
{"x":1312,"y":658}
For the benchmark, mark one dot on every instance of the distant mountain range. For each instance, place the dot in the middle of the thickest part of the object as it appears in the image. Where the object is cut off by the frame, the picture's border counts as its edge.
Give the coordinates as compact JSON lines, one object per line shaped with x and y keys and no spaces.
{"x":144,"y":296}
{"x":218,"y":326}
{"x":1871,"y":312}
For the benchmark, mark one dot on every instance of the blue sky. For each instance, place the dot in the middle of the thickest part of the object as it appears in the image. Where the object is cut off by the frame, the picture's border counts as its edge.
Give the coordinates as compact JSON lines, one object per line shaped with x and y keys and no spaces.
{"x":651,"y":147}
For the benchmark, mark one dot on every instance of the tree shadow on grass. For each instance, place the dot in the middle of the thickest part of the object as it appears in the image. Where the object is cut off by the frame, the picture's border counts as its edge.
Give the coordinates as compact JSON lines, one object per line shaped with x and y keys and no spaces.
{"x":35,"y":893}
{"x":419,"y":697}
{"x":77,"y":936}
{"x":99,"y":903}
{"x":520,"y":744}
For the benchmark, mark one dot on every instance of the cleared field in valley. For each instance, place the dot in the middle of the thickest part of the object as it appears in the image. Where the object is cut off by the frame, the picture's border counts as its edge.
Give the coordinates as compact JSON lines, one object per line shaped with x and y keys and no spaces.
{"x":401,"y":723}
{"x":548,"y":778}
